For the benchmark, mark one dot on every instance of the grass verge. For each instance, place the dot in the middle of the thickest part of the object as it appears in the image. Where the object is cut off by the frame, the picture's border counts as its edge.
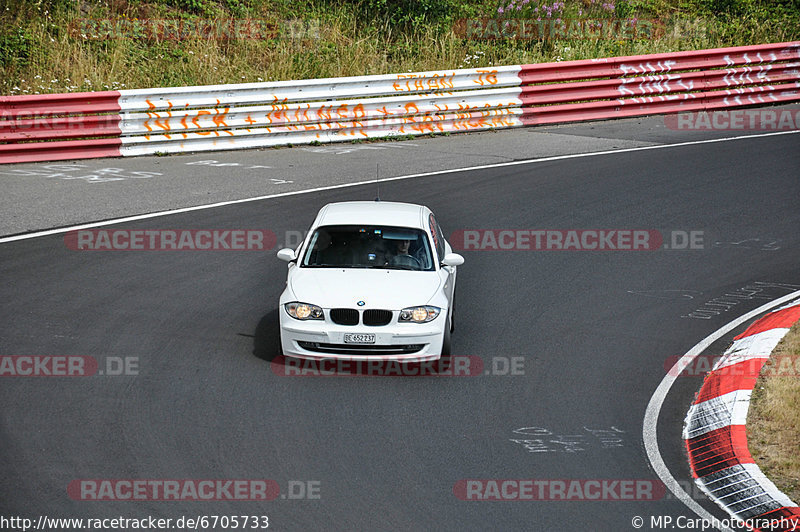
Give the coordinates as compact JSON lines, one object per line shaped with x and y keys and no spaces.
{"x":83,"y":45}
{"x":773,"y":421}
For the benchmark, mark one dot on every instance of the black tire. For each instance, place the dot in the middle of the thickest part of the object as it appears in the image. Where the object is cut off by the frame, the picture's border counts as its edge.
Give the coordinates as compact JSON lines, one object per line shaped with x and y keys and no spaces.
{"x":453,"y":314}
{"x":446,"y":359}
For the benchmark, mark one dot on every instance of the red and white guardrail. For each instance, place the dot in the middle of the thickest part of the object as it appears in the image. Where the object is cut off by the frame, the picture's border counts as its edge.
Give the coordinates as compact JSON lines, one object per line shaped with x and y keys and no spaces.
{"x":223,"y":117}
{"x":715,"y":428}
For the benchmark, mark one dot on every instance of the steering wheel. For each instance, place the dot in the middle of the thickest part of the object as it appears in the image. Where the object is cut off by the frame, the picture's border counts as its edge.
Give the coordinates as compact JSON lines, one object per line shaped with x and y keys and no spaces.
{"x":406,"y":260}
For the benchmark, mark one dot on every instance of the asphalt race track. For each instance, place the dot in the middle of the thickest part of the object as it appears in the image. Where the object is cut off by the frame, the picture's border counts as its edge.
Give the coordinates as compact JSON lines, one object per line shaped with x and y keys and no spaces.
{"x":590,"y":331}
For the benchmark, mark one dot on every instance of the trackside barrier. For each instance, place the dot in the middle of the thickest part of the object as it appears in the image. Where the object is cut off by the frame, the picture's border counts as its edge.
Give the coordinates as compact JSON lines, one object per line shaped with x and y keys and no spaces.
{"x":715,"y":429}
{"x":223,"y":117}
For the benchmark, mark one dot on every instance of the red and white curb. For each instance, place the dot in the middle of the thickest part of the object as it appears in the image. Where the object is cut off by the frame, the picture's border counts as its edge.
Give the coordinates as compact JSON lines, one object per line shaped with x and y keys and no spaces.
{"x":715,"y":427}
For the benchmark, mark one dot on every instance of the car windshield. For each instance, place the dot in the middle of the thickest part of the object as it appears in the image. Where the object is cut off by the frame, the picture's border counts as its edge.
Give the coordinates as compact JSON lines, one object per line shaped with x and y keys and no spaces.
{"x":358,"y":246}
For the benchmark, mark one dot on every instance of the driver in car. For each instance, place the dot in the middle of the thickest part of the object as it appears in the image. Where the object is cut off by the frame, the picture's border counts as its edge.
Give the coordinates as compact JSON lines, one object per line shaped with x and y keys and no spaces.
{"x":399,"y":254}
{"x":402,"y":247}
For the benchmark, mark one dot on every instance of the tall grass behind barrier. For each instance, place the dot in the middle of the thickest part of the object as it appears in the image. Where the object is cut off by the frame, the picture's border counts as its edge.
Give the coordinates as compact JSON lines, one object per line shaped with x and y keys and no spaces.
{"x":42,"y":49}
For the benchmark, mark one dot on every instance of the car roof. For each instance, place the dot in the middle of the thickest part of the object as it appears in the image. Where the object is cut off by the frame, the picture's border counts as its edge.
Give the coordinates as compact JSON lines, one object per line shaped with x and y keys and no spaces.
{"x":373,"y":213}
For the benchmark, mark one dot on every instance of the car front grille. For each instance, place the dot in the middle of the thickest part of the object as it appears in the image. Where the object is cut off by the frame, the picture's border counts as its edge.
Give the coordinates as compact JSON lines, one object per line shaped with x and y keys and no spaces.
{"x":376,"y":317}
{"x":344,"y":316}
{"x":353,"y":349}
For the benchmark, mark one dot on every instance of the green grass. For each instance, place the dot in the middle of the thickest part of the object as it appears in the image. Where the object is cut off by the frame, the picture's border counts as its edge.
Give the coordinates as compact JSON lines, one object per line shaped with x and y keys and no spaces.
{"x":46,"y":47}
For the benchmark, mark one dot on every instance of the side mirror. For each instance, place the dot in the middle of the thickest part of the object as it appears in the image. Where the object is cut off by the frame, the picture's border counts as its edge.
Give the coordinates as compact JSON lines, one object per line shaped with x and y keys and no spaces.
{"x":453,"y":259}
{"x":287,"y":254}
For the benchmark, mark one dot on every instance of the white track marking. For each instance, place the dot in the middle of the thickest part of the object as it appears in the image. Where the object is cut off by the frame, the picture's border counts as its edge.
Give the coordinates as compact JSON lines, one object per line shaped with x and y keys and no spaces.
{"x":36,"y":234}
{"x":649,"y":430}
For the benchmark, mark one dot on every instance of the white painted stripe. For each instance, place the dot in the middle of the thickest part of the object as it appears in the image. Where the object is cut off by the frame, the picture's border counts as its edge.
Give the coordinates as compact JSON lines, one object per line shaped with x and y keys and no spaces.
{"x":650,"y":424}
{"x":716,"y":413}
{"x":37,"y":234}
{"x":751,"y":347}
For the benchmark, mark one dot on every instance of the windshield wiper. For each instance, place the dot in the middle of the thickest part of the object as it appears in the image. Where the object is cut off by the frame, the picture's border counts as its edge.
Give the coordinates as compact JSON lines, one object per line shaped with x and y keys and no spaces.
{"x":397,"y":267}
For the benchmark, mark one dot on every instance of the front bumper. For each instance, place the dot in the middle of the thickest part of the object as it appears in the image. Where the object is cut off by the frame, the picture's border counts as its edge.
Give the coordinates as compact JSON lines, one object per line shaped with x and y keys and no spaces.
{"x":323,"y":339}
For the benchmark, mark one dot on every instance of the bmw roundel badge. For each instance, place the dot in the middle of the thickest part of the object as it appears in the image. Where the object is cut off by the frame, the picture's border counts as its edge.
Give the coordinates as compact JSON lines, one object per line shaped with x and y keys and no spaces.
{"x":361,"y":303}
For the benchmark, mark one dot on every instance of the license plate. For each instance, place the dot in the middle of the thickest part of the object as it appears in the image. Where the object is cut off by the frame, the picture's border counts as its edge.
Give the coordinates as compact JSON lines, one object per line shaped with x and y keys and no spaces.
{"x":350,"y":338}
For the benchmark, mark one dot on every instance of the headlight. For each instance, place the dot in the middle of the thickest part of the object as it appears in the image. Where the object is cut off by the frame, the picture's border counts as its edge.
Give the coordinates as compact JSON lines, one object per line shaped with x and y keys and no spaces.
{"x":304,"y":311}
{"x":419,"y":314}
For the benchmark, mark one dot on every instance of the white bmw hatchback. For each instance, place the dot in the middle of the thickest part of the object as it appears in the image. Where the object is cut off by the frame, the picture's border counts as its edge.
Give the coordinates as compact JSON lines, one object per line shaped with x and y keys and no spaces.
{"x":371,"y":280}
